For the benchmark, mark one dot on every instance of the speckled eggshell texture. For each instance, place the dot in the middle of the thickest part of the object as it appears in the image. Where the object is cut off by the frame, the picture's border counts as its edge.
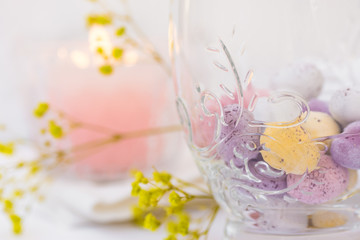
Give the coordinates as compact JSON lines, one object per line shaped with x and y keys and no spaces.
{"x":268,"y":182}
{"x":320,"y":124}
{"x":289,"y":149}
{"x":321,"y":185}
{"x":241,"y":137}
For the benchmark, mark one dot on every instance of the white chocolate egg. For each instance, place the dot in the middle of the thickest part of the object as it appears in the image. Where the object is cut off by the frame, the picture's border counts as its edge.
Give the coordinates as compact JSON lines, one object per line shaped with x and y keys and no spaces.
{"x":303,"y":78}
{"x":344,"y":106}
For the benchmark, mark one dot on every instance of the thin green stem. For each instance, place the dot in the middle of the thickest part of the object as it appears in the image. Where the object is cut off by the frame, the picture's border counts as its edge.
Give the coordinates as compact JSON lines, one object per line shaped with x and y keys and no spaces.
{"x":91,"y":145}
{"x":202,"y":196}
{"x":187,"y":184}
{"x":76,"y":124}
{"x":148,"y":46}
{"x":211,"y":221}
{"x":187,"y":195}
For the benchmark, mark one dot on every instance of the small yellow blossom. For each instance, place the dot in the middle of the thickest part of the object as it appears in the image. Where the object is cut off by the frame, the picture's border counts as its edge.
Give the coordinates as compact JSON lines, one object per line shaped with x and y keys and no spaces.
{"x":8,"y":205}
{"x":99,"y":19}
{"x":18,"y":193}
{"x":170,"y":237}
{"x":7,"y":148}
{"x":172,"y":227}
{"x":41,"y":109}
{"x":184,"y":223}
{"x":106,"y":69}
{"x":173,"y":210}
{"x":55,"y":130}
{"x":16,"y":222}
{"x":20,"y":165}
{"x":135,"y":189}
{"x":100,"y":50}
{"x":34,"y":169}
{"x":144,"y":198}
{"x":120,"y":31}
{"x":162,"y":177}
{"x":155,"y":195}
{"x":151,"y":223}
{"x":138,"y":212}
{"x":174,"y":199}
{"x":139,"y":177}
{"x":117,"y":53}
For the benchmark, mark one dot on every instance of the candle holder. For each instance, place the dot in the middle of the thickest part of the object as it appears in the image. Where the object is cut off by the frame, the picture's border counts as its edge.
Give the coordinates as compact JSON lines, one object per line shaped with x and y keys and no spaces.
{"x":267,"y":94}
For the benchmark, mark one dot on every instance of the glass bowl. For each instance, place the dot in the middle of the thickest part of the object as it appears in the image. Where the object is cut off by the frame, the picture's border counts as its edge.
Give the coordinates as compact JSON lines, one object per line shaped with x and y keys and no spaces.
{"x":268,"y":95}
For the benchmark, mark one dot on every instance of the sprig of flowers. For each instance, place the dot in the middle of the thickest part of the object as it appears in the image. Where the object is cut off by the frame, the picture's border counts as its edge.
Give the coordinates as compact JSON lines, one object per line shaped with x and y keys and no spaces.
{"x":21,"y":179}
{"x":29,"y":175}
{"x":165,"y":200}
{"x":60,"y":124}
{"x":20,"y":183}
{"x":124,"y":40}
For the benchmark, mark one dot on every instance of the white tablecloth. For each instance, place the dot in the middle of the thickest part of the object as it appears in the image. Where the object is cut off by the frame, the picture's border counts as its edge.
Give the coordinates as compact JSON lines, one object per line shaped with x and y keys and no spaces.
{"x":46,"y":223}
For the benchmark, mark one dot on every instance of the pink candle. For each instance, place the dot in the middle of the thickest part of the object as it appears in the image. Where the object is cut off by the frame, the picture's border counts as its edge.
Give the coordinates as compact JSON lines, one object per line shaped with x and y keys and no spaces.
{"x":130,"y":99}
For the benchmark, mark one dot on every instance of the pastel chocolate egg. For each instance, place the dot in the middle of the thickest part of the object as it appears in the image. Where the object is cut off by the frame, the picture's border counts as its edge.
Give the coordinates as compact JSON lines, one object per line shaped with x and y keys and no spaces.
{"x":203,"y":126}
{"x":304,"y":78}
{"x":289,"y":149}
{"x":327,"y":219}
{"x":321,"y":185}
{"x":320,"y":124}
{"x":353,"y":178}
{"x":270,"y":179}
{"x":317,"y":105}
{"x":238,"y":141}
{"x":344,"y":106}
{"x":345,"y":149}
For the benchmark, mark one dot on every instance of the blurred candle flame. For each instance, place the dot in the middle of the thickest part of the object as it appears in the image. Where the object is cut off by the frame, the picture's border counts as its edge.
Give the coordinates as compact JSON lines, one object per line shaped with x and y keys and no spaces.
{"x":130,"y":57}
{"x":80,"y":59}
{"x":100,"y":38}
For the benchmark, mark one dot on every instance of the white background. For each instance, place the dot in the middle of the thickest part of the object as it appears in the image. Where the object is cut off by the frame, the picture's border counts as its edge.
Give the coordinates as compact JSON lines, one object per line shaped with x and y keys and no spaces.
{"x":25,"y":27}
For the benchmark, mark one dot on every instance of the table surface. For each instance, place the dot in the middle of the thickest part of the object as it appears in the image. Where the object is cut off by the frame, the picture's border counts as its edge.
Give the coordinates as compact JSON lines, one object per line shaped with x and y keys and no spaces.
{"x":44,"y":223}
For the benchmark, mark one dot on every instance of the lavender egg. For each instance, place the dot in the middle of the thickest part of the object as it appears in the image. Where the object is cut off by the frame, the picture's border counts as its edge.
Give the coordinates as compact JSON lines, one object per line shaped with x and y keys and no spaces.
{"x":345,"y":149}
{"x":270,"y":178}
{"x":344,"y":106}
{"x":317,"y":105}
{"x":260,"y":179}
{"x":239,"y":138}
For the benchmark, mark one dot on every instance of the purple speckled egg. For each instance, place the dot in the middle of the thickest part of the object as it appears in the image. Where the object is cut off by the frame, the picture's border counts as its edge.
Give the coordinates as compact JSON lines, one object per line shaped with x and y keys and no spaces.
{"x":318,"y":106}
{"x":261,"y":179}
{"x":345,"y":150}
{"x":271,"y":179}
{"x":240,"y":138}
{"x":321,"y":185}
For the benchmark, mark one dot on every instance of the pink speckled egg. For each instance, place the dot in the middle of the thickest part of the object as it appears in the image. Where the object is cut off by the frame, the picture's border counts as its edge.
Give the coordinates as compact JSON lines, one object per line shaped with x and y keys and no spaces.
{"x":321,"y":185}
